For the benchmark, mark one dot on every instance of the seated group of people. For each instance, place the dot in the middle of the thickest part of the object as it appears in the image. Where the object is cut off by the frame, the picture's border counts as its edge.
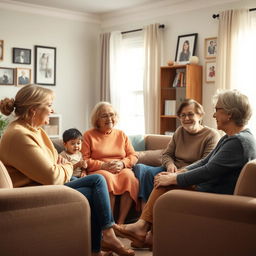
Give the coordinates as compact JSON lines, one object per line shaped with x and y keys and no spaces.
{"x":101,"y":164}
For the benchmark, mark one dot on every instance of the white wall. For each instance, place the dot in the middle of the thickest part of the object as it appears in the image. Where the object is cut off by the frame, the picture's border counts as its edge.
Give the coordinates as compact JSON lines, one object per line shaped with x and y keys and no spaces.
{"x":76,"y":87}
{"x":195,"y":21}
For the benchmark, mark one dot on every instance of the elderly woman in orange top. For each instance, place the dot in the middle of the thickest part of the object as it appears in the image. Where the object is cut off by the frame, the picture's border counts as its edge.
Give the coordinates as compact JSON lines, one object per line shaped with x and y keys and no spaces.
{"x":110,"y":153}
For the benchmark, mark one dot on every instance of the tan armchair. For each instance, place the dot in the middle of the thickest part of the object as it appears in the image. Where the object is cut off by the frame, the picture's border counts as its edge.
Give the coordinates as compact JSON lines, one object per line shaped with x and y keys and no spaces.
{"x":42,"y":220}
{"x":194,"y":223}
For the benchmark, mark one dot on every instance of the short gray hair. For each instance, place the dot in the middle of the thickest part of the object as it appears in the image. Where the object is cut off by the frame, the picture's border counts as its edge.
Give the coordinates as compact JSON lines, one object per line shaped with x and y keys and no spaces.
{"x":235,"y":104}
{"x":95,"y":115}
{"x":198,"y":107}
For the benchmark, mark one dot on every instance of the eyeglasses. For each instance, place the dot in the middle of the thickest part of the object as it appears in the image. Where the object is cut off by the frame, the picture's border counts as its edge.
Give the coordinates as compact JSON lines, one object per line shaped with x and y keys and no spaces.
{"x":106,"y":116}
{"x":189,"y":115}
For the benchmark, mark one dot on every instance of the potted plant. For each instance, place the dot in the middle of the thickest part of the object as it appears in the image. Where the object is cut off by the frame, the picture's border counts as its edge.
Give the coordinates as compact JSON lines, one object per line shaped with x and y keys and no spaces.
{"x":3,"y":124}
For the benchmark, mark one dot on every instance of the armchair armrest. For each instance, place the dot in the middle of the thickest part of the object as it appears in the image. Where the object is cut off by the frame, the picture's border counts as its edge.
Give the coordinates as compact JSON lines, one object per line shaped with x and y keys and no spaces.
{"x":192,"y":223}
{"x":44,"y":220}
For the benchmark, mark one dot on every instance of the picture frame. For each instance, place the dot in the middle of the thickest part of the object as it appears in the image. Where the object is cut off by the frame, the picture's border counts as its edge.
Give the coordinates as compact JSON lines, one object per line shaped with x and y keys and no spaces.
{"x":210,"y":70}
{"x":45,"y":65}
{"x":210,"y":47}
{"x":7,"y":76}
{"x":21,"y":56}
{"x":23,"y":76}
{"x":186,"y":46}
{"x":1,"y":49}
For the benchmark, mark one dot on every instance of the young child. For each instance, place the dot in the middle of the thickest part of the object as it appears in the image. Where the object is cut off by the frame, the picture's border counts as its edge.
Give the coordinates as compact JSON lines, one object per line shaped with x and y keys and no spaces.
{"x":72,"y":140}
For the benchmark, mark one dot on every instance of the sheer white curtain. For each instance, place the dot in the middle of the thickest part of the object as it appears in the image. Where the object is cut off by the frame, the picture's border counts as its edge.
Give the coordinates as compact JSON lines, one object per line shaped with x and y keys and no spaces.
{"x":126,"y":80}
{"x":116,"y":69}
{"x":236,"y":54}
{"x":104,"y":67}
{"x":153,"y":56}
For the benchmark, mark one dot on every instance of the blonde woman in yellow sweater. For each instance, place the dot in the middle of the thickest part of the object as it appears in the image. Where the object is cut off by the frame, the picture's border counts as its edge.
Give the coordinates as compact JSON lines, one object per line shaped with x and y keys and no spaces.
{"x":31,"y":159}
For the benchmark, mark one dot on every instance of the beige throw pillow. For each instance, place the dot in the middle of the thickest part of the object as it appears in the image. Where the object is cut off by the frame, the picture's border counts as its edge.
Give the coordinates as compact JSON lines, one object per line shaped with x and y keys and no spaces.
{"x":150,"y":157}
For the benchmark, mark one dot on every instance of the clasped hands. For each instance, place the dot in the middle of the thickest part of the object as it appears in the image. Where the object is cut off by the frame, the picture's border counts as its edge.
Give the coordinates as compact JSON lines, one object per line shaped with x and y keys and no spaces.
{"x":114,"y":166}
{"x":167,"y":178}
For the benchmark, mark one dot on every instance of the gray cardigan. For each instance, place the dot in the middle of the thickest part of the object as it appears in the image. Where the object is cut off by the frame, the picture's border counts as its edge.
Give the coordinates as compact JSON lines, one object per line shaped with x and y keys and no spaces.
{"x":219,"y":171}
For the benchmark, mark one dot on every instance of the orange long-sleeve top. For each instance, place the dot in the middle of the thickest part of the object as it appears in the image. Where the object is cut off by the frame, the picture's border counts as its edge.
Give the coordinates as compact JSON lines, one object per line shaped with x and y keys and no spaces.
{"x":101,"y":147}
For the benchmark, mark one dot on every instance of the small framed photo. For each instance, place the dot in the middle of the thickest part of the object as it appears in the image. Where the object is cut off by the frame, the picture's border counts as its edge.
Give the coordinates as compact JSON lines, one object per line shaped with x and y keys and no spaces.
{"x":23,"y":76}
{"x":210,"y":47}
{"x":45,"y":65}
{"x":6,"y":76}
{"x":210,"y":68}
{"x":21,"y":56}
{"x":186,"y":46}
{"x":1,"y":49}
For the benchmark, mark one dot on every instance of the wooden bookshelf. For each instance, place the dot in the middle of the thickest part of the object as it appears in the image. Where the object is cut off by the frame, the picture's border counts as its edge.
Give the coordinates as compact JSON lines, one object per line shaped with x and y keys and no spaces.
{"x":191,"y":87}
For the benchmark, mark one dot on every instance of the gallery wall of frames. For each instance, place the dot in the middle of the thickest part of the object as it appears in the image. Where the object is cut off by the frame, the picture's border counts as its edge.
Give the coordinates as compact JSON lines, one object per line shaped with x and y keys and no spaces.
{"x":44,"y":69}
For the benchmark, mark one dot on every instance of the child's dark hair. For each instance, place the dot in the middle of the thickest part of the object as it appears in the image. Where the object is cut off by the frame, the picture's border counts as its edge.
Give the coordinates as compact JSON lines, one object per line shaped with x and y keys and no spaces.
{"x":71,"y":134}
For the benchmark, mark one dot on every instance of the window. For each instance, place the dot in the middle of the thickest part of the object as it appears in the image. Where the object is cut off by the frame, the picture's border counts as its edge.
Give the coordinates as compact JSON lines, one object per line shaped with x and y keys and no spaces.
{"x":243,"y":74}
{"x":129,"y":83}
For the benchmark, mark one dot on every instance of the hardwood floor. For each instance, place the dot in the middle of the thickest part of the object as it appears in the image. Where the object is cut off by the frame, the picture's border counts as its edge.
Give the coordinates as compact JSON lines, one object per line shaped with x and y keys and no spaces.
{"x":138,"y":252}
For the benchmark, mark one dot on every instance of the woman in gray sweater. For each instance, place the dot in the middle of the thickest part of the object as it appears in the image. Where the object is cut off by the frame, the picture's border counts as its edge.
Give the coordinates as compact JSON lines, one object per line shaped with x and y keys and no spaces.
{"x":217,"y":173}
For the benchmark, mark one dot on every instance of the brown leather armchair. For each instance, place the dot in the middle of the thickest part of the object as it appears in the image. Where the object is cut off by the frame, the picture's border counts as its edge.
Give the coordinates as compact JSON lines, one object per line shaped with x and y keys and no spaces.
{"x":194,"y":223}
{"x":43,"y":220}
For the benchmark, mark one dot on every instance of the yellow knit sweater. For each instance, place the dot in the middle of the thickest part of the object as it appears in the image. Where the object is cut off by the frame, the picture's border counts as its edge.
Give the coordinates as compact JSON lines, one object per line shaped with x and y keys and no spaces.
{"x":30,"y":157}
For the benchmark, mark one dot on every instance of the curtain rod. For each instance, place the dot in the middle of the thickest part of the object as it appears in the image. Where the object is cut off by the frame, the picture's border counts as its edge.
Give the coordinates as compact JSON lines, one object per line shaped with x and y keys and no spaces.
{"x":217,"y":15}
{"x":139,"y":29}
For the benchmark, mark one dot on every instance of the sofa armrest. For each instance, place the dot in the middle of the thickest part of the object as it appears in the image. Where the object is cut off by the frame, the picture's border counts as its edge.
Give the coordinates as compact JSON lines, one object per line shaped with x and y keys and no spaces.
{"x":188,"y":223}
{"x":44,"y":220}
{"x":245,"y":185}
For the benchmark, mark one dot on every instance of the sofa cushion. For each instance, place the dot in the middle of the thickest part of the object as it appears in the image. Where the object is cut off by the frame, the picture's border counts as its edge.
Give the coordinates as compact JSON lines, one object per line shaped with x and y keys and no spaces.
{"x":151,"y":157}
{"x":138,"y":142}
{"x":157,"y":141}
{"x":58,"y":144}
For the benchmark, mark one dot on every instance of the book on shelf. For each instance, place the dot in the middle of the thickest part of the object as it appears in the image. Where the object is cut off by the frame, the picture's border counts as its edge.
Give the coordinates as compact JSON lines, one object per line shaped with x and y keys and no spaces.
{"x":180,"y":77}
{"x":180,"y":96}
{"x":170,"y":107}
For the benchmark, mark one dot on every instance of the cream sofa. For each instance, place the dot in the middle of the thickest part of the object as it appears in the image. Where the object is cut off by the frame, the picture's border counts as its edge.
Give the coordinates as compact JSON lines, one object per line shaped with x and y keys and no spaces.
{"x":149,"y":148}
{"x":195,"y":223}
{"x":42,"y":220}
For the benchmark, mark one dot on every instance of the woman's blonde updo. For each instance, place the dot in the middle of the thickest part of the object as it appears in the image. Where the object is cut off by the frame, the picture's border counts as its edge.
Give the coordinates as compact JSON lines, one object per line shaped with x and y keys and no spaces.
{"x":7,"y":106}
{"x":28,"y":97}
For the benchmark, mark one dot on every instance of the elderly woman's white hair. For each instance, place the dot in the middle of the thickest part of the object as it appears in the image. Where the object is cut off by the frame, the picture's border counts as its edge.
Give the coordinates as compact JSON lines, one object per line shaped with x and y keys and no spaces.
{"x":96,"y":112}
{"x":236,"y":105}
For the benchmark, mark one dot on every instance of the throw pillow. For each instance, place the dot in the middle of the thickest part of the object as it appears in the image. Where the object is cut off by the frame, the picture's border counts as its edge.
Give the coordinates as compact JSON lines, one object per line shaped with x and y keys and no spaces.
{"x":150,"y":157}
{"x":138,"y":142}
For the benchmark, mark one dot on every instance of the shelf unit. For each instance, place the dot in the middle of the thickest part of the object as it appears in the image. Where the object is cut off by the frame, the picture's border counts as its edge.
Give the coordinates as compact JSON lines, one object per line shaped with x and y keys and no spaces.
{"x":192,"y":88}
{"x":53,"y":129}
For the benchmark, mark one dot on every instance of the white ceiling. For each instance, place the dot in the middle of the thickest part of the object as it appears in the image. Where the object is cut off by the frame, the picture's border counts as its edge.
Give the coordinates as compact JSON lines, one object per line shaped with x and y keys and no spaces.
{"x":108,"y":6}
{"x":92,"y":6}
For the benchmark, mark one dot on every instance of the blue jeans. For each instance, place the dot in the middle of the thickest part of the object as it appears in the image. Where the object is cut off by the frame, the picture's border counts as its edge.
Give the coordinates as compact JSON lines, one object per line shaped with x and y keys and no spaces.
{"x":145,"y":174}
{"x":94,"y":188}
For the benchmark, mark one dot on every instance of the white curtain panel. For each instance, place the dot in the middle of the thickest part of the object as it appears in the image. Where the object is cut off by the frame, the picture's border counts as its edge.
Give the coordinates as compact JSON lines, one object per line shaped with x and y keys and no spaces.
{"x":237,"y":55}
{"x":235,"y":48}
{"x":153,"y":40}
{"x":116,"y":69}
{"x":104,"y":67}
{"x":125,"y":82}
